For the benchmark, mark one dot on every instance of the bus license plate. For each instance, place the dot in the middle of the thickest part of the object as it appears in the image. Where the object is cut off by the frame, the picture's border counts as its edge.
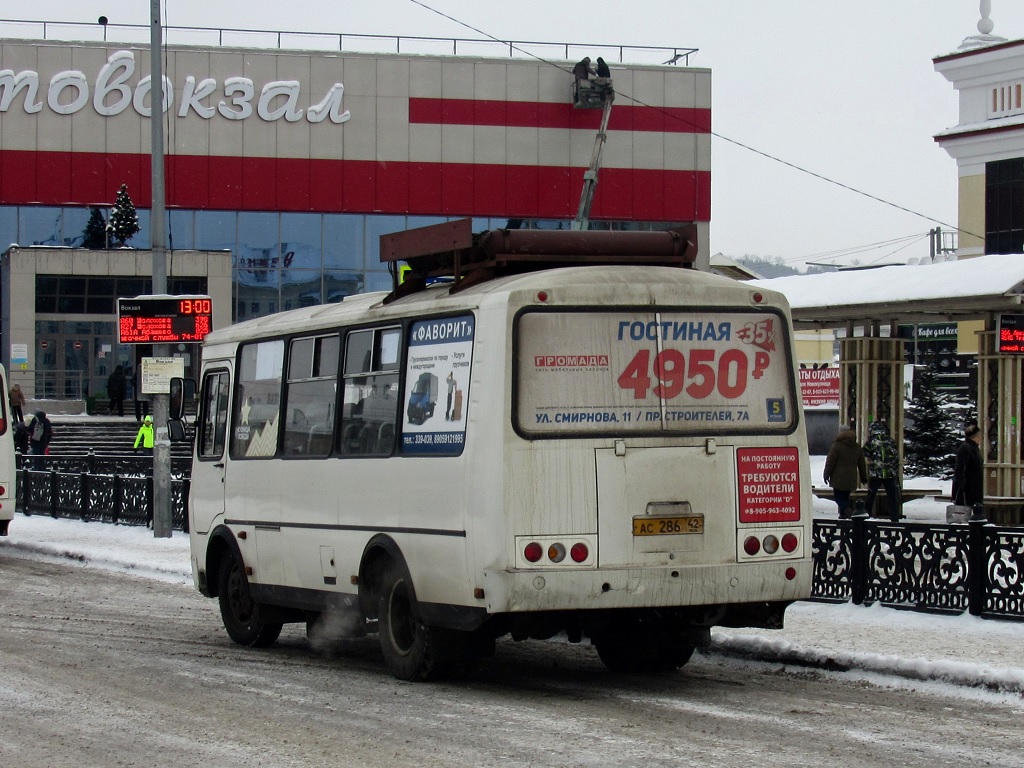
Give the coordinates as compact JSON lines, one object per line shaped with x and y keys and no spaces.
{"x":667,"y":526}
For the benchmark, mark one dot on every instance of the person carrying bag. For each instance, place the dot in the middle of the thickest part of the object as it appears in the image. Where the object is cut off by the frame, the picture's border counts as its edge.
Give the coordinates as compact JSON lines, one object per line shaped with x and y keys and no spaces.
{"x":968,"y":477}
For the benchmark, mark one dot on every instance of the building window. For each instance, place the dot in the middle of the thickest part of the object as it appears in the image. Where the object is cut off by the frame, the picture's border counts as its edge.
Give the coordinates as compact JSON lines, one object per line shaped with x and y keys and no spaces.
{"x":1004,"y":206}
{"x":98,"y":295}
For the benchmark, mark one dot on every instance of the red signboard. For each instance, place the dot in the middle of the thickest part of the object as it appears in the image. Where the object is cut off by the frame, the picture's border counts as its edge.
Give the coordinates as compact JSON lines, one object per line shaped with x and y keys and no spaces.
{"x":1011,"y":334}
{"x":769,"y":484}
{"x":819,"y":386}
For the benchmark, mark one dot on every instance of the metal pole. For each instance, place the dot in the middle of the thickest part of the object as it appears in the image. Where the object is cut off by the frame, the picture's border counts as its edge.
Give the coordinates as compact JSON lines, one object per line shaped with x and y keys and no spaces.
{"x":162,"y":516}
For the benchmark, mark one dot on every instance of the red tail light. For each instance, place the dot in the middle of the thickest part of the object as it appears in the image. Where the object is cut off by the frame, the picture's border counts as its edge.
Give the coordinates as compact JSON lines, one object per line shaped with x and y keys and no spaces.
{"x":751,"y":545}
{"x":532,"y":552}
{"x":790,"y":542}
{"x":579,"y":552}
{"x":3,"y":425}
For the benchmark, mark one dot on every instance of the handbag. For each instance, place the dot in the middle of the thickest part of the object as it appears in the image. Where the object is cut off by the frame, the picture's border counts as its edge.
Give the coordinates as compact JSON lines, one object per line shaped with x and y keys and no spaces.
{"x":958,"y":513}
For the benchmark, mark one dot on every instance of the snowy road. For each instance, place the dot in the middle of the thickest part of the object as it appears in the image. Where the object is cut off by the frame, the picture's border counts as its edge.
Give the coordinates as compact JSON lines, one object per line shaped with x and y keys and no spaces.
{"x":106,"y":669}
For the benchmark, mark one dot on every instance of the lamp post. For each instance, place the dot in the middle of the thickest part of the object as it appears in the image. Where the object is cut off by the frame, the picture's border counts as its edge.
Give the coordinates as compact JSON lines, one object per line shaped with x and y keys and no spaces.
{"x":163,"y":518}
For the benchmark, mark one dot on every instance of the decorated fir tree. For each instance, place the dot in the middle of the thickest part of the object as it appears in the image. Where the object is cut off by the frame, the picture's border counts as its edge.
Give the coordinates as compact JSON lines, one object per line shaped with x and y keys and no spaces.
{"x":124,"y":222}
{"x":95,"y":235}
{"x":930,"y":434}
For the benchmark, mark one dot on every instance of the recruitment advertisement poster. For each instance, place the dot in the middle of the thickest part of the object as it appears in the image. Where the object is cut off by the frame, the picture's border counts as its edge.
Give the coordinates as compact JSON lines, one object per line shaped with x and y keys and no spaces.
{"x":689,"y":372}
{"x":437,"y":386}
{"x":769,"y":484}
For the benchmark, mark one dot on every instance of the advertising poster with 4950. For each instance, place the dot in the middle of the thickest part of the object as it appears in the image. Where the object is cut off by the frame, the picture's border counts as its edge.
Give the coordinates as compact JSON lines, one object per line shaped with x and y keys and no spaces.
{"x":694,"y":371}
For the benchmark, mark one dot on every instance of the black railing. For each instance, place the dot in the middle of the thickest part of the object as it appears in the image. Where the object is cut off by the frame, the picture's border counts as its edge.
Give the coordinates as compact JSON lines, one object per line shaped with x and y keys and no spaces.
{"x":976,"y":567}
{"x":116,"y":490}
{"x":337,"y":41}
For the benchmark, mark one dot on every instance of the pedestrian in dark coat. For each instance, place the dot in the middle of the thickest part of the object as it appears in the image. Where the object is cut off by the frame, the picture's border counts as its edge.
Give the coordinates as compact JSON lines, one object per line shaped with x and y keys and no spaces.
{"x":845,"y":469}
{"x":602,"y":68}
{"x":40,"y":432}
{"x":115,"y":390}
{"x":968,"y":472}
{"x":883,"y":459}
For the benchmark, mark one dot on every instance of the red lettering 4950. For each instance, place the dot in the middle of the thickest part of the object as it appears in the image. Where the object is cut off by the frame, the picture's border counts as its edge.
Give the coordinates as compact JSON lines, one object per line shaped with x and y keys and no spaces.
{"x":703,"y":376}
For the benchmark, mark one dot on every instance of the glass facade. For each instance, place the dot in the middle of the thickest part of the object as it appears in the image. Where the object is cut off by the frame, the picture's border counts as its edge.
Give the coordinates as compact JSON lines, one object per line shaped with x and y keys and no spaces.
{"x":279,"y":260}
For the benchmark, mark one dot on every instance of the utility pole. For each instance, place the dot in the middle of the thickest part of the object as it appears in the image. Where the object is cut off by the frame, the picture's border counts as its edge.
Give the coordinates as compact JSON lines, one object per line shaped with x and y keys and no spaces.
{"x":163,"y":519}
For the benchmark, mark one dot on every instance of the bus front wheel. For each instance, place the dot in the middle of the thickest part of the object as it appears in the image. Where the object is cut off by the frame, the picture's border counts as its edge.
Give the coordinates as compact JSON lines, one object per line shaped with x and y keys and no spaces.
{"x":243,"y":617}
{"x":410,"y":647}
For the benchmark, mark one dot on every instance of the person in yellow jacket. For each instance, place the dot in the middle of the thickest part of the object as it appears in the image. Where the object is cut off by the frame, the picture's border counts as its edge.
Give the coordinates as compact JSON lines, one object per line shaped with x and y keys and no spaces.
{"x":144,"y":438}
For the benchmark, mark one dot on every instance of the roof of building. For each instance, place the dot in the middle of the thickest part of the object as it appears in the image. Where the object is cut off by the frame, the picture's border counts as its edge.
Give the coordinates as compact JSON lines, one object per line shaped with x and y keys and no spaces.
{"x":966,"y":289}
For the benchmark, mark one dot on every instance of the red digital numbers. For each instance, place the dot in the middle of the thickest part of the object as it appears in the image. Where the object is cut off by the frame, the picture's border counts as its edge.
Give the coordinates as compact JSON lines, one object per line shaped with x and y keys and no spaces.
{"x":195,"y":306}
{"x":706,"y":373}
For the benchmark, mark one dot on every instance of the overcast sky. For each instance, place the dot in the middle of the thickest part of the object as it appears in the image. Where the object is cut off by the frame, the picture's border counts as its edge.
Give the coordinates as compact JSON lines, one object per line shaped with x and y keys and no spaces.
{"x":845,"y":89}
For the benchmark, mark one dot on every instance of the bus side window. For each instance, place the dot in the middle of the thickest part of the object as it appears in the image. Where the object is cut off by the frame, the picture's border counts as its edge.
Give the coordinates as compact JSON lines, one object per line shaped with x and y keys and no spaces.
{"x":256,"y":419}
{"x":214,"y":415}
{"x":311,"y":396}
{"x":370,"y":393}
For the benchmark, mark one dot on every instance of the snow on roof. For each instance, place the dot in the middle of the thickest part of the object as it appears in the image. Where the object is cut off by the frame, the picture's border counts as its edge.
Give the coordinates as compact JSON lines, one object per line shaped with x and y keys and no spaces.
{"x":966,"y":288}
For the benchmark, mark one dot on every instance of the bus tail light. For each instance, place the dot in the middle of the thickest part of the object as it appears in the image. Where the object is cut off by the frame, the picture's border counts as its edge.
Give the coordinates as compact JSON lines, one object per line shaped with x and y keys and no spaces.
{"x":562,"y":551}
{"x":772,"y":543}
{"x":556,"y":552}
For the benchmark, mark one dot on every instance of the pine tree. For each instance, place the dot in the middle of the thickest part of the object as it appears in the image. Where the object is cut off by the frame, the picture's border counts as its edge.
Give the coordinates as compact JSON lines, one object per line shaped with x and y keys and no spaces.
{"x":124,"y":222}
{"x":95,"y":235}
{"x":931,"y":434}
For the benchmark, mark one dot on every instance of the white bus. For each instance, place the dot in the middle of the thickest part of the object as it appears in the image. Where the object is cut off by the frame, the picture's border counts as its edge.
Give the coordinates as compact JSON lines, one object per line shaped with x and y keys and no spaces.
{"x":8,"y":470}
{"x":611,"y":452}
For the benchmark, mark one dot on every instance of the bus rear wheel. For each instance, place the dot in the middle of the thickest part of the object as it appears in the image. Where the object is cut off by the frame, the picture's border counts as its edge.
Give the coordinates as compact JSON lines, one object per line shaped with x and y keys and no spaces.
{"x":637,"y":647}
{"x":410,"y":647}
{"x":243,"y":617}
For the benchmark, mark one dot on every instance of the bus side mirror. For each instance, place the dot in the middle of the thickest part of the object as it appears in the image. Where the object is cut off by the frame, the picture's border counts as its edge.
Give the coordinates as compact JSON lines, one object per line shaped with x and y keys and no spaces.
{"x":176,"y":431}
{"x":182,"y":391}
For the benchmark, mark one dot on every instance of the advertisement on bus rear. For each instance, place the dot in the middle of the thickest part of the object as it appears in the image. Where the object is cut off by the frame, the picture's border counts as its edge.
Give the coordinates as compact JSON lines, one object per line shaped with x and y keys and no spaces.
{"x":682,"y":371}
{"x":437,"y":386}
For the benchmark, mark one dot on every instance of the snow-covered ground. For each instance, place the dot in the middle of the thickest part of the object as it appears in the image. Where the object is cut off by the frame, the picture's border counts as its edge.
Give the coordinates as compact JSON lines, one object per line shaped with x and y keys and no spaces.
{"x":968,"y":655}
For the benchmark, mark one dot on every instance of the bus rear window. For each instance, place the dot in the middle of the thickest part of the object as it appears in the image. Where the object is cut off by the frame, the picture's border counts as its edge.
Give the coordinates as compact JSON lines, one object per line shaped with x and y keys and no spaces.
{"x":672,"y":372}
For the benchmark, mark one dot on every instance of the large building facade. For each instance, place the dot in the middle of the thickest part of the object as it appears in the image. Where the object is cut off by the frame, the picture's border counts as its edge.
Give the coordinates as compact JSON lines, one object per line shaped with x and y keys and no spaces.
{"x":297,"y":161}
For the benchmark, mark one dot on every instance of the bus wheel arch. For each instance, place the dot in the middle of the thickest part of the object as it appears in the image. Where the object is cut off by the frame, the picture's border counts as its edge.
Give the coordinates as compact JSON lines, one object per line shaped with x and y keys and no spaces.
{"x":412,"y":649}
{"x":247,"y":621}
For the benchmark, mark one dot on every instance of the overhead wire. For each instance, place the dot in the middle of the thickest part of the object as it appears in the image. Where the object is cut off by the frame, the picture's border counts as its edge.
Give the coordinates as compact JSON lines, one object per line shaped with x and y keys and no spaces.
{"x":691,"y":124}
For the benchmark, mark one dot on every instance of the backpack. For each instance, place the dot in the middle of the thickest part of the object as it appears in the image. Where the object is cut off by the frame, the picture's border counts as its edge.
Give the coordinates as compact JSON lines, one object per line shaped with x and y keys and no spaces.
{"x":37,"y":431}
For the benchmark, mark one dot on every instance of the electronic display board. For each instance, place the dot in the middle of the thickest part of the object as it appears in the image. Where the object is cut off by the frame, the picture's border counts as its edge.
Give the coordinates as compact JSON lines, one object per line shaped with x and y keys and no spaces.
{"x":164,"y":319}
{"x":1011,"y":334}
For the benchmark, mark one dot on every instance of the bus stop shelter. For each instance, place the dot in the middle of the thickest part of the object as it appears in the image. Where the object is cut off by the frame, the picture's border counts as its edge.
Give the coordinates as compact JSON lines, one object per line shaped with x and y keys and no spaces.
{"x":867,"y":302}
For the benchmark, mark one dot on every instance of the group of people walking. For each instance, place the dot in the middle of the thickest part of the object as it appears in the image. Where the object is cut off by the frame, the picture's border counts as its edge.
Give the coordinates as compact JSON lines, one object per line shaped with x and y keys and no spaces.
{"x":848,"y":466}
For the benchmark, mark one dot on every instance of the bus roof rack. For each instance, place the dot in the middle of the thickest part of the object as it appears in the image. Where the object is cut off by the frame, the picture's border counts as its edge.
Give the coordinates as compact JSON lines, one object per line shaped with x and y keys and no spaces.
{"x":451,"y":249}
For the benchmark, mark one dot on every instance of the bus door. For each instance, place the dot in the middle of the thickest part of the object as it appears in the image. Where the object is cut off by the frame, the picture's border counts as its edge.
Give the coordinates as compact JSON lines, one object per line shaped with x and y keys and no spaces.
{"x":209,"y":466}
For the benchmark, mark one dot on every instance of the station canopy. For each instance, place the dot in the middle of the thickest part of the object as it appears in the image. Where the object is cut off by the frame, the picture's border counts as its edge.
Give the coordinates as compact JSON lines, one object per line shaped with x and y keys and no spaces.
{"x":966,"y":289}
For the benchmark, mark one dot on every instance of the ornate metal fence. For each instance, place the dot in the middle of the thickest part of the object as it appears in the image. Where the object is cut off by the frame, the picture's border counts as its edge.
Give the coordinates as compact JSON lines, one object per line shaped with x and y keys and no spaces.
{"x":976,"y":567}
{"x":123,"y":494}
